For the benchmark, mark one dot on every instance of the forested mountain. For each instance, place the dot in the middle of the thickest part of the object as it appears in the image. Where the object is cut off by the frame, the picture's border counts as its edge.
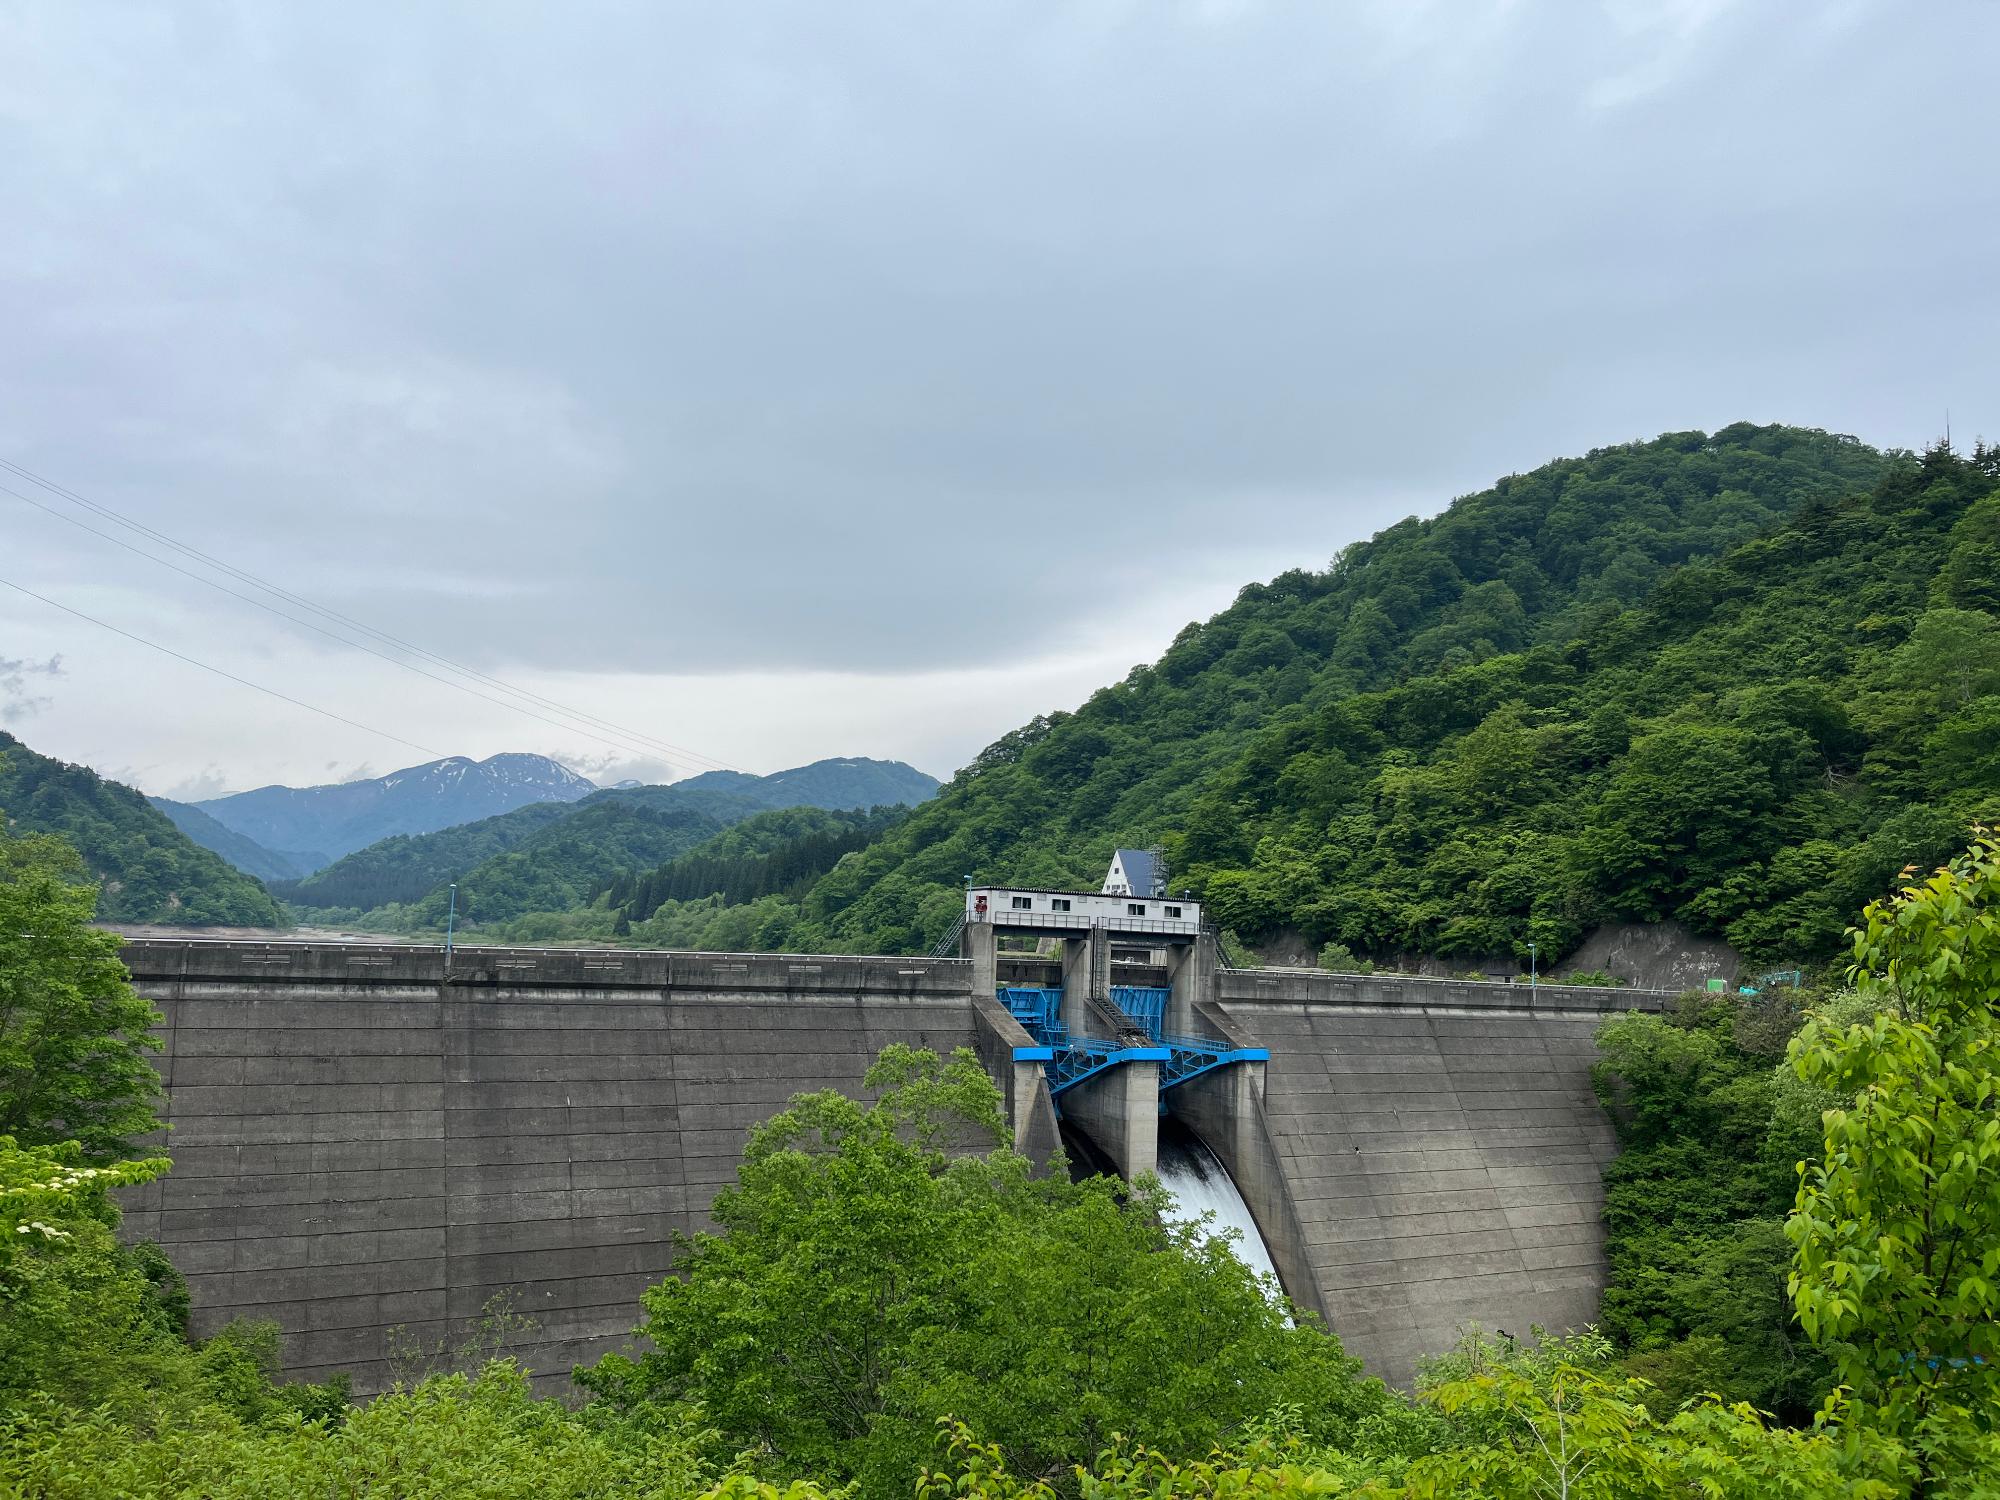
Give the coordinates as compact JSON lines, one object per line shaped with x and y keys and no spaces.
{"x":557,"y":857}
{"x":563,"y":864}
{"x":406,"y":867}
{"x":1534,"y":570}
{"x":776,"y":853}
{"x":246,"y":854}
{"x":739,"y":890}
{"x":845,"y":782}
{"x":147,"y":869}
{"x":1756,"y":751}
{"x":322,"y":823}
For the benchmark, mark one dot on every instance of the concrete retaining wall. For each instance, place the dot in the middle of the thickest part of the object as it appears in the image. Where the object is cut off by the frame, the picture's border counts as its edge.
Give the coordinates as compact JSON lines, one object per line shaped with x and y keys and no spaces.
{"x":1440,"y":1147}
{"x":361,"y":1143}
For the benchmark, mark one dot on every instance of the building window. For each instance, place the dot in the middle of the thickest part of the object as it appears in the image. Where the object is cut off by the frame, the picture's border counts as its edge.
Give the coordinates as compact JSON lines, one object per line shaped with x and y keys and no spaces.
{"x":1174,"y":912}
{"x":1024,"y":903}
{"x":1058,"y":903}
{"x":1135,"y":908}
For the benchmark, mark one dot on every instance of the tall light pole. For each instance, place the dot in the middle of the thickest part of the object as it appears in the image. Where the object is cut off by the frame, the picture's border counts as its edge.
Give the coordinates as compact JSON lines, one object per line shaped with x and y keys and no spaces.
{"x":1531,"y":971}
{"x":450,"y":921}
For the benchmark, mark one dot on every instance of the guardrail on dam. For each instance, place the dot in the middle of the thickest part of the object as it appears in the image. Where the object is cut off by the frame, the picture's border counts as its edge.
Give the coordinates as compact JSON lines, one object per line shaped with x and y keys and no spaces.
{"x":362,"y":1141}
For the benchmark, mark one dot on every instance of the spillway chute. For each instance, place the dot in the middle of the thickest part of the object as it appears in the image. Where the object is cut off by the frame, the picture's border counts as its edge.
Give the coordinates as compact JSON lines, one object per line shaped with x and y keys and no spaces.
{"x":1198,"y":1184}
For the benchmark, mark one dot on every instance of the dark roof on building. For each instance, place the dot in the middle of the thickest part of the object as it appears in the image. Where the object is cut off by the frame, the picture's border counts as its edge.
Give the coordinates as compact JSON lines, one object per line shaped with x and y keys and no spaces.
{"x":1144,"y":871}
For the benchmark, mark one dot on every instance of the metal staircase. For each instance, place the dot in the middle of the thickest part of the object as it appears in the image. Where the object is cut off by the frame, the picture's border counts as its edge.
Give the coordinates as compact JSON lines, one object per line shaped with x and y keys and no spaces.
{"x":947,"y":946}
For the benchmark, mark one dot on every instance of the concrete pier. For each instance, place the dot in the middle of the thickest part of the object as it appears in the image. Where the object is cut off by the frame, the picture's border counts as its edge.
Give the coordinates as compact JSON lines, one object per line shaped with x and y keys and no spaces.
{"x":1119,"y":1109}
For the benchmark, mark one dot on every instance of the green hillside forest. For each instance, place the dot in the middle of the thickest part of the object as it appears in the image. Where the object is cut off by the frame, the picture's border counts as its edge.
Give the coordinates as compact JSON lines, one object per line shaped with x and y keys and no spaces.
{"x":740,"y":890}
{"x":1740,"y":680}
{"x":146,"y":869}
{"x":407,"y":866}
{"x":535,"y":859}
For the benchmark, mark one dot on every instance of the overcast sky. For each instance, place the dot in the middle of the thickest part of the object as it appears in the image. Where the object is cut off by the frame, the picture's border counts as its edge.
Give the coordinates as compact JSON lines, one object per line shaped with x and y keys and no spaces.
{"x":783,"y":380}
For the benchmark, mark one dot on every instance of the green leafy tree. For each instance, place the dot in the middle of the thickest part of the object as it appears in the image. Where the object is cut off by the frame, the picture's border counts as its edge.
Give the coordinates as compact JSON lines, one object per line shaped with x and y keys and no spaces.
{"x":1897,"y":1227}
{"x":46,"y":1190}
{"x":1953,"y":656}
{"x":879,"y":1266}
{"x":74,"y":1035}
{"x":1711,"y":1129}
{"x":80,"y":1319}
{"x":1578,"y":1434}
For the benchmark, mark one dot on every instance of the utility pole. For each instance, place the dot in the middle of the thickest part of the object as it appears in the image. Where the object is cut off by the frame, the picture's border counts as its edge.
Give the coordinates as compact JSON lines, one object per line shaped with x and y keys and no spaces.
{"x":450,"y":922}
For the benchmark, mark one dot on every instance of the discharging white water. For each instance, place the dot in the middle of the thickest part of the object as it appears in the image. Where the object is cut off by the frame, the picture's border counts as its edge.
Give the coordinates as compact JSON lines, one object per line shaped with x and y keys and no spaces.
{"x":1199,"y":1184}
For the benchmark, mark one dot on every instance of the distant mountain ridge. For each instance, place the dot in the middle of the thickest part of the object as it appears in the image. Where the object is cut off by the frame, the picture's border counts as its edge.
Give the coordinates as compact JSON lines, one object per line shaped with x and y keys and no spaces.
{"x":541,"y":857}
{"x":841,"y":784}
{"x":147,"y":869}
{"x":322,"y":823}
{"x":246,"y":854}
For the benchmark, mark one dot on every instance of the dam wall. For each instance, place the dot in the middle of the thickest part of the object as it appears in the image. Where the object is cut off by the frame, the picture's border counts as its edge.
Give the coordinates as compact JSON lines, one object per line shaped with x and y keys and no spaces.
{"x":362,"y":1143}
{"x":1440,"y":1148}
{"x":365,"y":1142}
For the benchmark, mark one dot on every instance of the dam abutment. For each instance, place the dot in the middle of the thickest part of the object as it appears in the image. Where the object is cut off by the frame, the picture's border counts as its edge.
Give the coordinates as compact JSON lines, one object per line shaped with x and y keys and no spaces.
{"x":1442,"y":1146}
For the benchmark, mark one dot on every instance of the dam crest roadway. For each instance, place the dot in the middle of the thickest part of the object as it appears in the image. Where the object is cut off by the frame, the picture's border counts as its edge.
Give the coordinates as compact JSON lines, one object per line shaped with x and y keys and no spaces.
{"x":370,"y":1138}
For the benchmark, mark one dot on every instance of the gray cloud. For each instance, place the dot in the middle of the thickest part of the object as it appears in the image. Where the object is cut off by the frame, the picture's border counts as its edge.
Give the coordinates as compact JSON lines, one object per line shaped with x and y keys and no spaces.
{"x":714,"y":339}
{"x":18,"y":700}
{"x":210,"y":781}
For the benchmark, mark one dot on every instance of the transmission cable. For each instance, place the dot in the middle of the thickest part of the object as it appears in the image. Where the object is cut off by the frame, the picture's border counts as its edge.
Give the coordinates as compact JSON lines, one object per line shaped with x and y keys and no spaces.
{"x":686,"y":756}
{"x":218,"y":671}
{"x":627,"y":748}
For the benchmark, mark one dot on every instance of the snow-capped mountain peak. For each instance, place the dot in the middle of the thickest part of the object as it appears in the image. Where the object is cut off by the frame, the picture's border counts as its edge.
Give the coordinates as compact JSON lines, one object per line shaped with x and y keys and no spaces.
{"x":322,"y":823}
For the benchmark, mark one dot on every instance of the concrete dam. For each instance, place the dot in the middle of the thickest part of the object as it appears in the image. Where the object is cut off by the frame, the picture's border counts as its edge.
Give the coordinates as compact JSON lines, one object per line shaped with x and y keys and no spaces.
{"x":368,"y":1138}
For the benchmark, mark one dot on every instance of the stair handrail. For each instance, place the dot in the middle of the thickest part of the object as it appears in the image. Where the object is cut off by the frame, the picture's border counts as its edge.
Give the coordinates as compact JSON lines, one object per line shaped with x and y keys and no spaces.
{"x":1209,"y":929}
{"x":947,"y":946}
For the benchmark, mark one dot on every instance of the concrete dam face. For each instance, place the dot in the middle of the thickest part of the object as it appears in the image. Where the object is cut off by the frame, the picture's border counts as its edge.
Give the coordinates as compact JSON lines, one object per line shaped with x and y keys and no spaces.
{"x":364,"y":1142}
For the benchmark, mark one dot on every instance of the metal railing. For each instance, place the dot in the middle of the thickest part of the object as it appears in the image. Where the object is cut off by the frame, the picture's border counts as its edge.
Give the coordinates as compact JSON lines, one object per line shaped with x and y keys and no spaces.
{"x":1214,"y":934}
{"x":1191,"y":1056}
{"x":1083,"y":921}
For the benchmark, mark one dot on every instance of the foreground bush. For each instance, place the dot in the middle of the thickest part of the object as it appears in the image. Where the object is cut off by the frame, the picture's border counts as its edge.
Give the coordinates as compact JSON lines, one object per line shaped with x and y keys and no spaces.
{"x":450,"y":1438}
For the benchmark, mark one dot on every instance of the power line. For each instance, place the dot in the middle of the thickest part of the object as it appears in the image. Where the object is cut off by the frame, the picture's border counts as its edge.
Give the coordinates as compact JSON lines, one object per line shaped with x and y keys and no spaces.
{"x":246,"y":682}
{"x":627,"y":748}
{"x":686,"y":756}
